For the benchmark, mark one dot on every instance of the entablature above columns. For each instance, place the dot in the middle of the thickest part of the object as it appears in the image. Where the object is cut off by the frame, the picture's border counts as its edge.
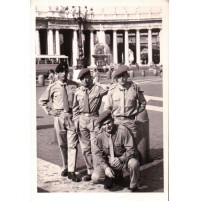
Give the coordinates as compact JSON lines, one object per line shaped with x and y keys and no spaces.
{"x":92,"y":26}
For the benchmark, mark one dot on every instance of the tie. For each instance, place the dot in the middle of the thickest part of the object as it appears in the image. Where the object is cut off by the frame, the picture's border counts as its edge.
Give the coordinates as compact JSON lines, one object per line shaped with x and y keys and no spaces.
{"x":110,"y":142}
{"x":86,"y":102}
{"x":65,"y":99}
{"x":122,"y":103}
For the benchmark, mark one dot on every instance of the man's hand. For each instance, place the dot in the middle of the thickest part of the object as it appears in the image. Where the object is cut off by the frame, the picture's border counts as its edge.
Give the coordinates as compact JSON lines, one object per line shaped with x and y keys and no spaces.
{"x":109,"y":172}
{"x":116,"y":163}
{"x":54,"y":113}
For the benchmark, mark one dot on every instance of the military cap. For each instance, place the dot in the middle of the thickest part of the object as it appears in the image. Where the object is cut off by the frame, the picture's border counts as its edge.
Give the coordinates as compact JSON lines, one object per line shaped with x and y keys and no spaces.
{"x":121,"y":69}
{"x":103,"y":117}
{"x":83,"y":72}
{"x":61,"y":67}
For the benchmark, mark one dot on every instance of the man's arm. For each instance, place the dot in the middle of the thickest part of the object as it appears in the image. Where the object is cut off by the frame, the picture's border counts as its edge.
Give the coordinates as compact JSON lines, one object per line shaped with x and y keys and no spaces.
{"x":44,"y":99}
{"x":108,"y":105}
{"x":75,"y":106}
{"x":141,"y":100}
{"x":127,"y":140}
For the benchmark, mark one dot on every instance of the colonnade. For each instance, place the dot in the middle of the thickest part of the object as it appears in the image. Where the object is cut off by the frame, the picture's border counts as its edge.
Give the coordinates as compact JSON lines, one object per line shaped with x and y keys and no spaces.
{"x":53,"y":45}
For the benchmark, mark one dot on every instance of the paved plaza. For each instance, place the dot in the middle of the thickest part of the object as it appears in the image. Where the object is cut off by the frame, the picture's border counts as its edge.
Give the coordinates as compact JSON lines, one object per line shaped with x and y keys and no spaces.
{"x":49,"y":159}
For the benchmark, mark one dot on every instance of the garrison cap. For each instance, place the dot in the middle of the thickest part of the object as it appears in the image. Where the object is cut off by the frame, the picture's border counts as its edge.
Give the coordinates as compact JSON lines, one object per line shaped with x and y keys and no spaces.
{"x":62,"y":67}
{"x":121,"y":69}
{"x":103,"y":117}
{"x":83,"y":72}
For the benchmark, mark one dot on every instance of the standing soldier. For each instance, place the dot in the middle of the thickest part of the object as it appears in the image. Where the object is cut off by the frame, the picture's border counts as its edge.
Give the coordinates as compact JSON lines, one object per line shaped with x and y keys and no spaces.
{"x":125,"y":100}
{"x":61,"y":92}
{"x":86,"y":105}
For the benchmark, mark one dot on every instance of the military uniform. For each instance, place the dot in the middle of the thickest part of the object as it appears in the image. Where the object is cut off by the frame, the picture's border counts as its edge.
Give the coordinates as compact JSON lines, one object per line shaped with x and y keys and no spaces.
{"x":87,"y":120}
{"x":123,"y":148}
{"x":65,"y":130}
{"x":125,"y":103}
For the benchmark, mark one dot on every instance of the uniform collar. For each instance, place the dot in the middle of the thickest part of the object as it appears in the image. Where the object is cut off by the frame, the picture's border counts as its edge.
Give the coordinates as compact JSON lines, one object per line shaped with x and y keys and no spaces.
{"x":89,"y":87}
{"x":63,"y":83}
{"x":127,"y":86}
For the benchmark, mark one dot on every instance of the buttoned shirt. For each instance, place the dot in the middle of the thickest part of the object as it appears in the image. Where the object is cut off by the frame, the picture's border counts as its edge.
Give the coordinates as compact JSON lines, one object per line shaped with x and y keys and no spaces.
{"x":54,"y":92}
{"x":134,"y":101}
{"x":123,"y":145}
{"x":95,"y":93}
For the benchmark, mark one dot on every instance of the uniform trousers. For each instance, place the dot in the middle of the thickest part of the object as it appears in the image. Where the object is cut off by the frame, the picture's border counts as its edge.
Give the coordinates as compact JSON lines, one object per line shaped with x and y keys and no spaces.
{"x":87,"y":136}
{"x":130,"y":123}
{"x":67,"y":141}
{"x":133,"y":167}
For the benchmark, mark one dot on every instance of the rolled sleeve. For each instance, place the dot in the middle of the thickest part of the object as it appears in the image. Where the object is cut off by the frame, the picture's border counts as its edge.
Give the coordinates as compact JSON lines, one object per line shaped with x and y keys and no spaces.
{"x":44,"y":99}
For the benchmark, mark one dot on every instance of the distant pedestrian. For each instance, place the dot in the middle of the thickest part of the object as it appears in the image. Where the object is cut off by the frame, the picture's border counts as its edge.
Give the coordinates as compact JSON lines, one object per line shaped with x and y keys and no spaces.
{"x":87,"y":102}
{"x":61,"y":92}
{"x":96,"y":75}
{"x":116,"y":152}
{"x":51,"y":76}
{"x":137,"y":66}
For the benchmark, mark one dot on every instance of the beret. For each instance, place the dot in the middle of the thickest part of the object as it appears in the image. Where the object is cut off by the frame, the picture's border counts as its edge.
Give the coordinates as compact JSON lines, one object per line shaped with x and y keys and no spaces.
{"x":121,"y":69}
{"x":103,"y":117}
{"x":83,"y":72}
{"x":61,"y":67}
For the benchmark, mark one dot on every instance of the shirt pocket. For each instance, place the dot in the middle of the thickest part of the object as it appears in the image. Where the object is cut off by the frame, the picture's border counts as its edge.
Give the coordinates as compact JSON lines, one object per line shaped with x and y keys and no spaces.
{"x":116,"y":101}
{"x":80,"y":99}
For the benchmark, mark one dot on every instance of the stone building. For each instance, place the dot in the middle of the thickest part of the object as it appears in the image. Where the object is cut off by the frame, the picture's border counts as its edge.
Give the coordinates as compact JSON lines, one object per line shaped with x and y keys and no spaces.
{"x":130,"y":34}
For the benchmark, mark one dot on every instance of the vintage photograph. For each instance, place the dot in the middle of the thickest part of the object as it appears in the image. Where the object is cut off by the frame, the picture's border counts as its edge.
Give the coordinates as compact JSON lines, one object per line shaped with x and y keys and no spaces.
{"x":101,"y":115}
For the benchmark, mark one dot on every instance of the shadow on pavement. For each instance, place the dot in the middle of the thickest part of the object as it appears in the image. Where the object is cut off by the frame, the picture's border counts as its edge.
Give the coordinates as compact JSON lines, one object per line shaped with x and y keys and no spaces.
{"x":40,"y":190}
{"x":152,"y":178}
{"x":45,"y":126}
{"x":156,"y":154}
{"x":39,"y":117}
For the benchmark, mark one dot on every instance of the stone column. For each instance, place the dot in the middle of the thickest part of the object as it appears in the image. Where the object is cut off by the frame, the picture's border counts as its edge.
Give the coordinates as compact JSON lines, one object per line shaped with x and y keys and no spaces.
{"x":75,"y":49}
{"x":92,"y":48}
{"x":115,"y":59}
{"x":57,"y":43}
{"x":150,"y":59}
{"x":50,"y":42}
{"x":138,"y":47}
{"x":37,"y":43}
{"x":126,"y":47}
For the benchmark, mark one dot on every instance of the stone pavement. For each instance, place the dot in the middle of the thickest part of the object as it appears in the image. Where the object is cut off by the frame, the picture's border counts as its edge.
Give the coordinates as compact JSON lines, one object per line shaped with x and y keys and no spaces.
{"x":49,"y":160}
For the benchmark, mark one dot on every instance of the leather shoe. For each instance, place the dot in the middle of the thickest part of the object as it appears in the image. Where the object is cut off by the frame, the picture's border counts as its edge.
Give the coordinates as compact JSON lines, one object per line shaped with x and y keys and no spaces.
{"x":108,"y":183}
{"x":87,"y":177}
{"x":73,"y":177}
{"x":119,"y":180}
{"x":64,"y":173}
{"x":135,"y":189}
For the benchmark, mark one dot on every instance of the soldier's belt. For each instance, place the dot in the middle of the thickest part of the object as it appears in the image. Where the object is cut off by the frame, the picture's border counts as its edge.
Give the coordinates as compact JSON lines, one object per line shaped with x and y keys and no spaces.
{"x":89,"y":114}
{"x":125,"y":117}
{"x":62,"y":110}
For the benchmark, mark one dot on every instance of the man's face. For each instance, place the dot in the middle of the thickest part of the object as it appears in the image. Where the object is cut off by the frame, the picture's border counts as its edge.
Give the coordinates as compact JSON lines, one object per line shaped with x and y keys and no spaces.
{"x":62,"y":76}
{"x":122,"y":78}
{"x":86,"y":80}
{"x":108,"y":125}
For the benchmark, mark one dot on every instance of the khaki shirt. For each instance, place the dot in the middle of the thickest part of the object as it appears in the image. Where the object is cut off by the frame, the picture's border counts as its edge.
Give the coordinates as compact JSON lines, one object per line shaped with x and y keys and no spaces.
{"x":95,"y":93}
{"x":134,"y":101}
{"x":123,"y":145}
{"x":54,"y":92}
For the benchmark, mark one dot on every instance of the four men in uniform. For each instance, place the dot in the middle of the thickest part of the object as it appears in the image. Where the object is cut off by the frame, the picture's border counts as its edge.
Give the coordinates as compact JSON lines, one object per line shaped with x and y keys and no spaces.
{"x":76,"y":117}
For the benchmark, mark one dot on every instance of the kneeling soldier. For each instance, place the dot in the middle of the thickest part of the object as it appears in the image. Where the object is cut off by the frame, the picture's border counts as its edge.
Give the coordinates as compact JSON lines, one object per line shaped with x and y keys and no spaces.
{"x":116,"y":152}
